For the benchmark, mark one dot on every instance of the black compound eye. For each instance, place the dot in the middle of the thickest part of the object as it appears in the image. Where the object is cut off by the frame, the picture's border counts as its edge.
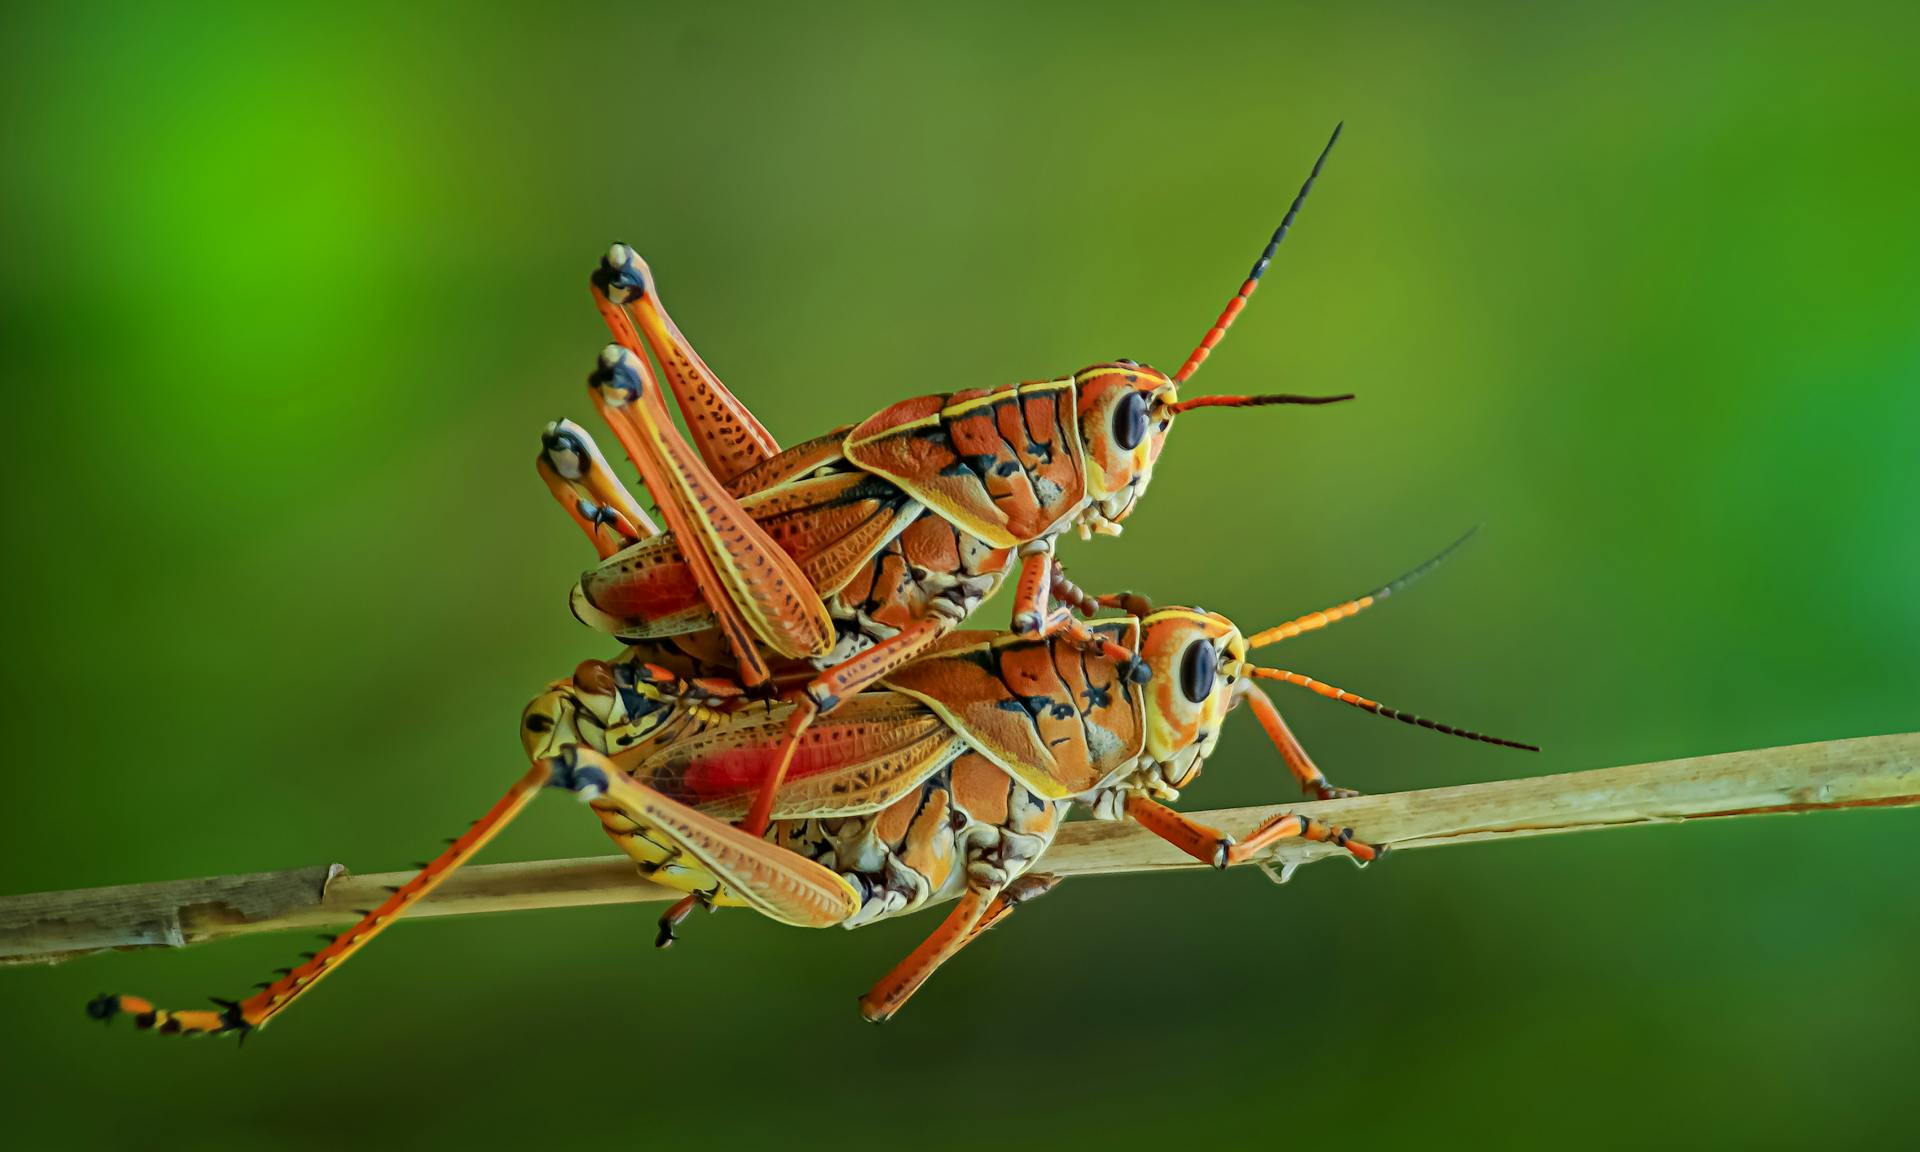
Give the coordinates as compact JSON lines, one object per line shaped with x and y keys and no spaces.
{"x":1197,"y":669}
{"x":1130,"y":420}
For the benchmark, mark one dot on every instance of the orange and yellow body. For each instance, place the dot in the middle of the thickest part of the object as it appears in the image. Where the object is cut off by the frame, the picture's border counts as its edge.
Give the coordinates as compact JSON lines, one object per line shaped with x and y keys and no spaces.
{"x":857,"y":551}
{"x":947,"y":780}
{"x":919,"y":513}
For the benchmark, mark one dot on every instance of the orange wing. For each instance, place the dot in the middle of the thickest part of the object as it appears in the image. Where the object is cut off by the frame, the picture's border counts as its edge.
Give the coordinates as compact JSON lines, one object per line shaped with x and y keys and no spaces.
{"x":859,"y":758}
{"x":829,"y":525}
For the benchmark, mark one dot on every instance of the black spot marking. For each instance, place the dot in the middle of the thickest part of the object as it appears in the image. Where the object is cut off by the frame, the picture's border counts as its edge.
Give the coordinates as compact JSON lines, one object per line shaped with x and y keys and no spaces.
{"x":934,"y":434}
{"x":980,"y":464}
{"x":1033,"y":706}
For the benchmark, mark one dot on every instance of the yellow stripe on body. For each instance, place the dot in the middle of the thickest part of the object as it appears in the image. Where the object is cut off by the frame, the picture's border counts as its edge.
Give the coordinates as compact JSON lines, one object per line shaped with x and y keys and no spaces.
{"x":999,"y":395}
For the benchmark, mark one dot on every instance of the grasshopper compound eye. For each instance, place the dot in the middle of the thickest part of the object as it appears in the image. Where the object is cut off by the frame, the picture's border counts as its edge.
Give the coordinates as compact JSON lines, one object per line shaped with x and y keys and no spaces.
{"x":1198,"y":668}
{"x":1130,"y":420}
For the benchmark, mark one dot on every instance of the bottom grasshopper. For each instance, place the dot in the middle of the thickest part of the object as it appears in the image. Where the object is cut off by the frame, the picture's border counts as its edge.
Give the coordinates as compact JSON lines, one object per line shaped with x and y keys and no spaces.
{"x":948,"y":781}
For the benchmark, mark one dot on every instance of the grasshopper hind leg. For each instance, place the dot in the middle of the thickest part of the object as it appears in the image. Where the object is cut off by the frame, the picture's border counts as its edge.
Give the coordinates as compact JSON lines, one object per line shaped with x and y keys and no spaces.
{"x":585,"y":774}
{"x":979,"y":909}
{"x":729,"y":439}
{"x":582,"y":482}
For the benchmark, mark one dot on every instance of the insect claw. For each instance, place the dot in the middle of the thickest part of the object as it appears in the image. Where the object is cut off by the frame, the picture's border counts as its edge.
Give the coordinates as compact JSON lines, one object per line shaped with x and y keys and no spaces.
{"x":283,"y":971}
{"x":330,"y":939}
{"x":264,"y":985}
{"x":308,"y":955}
{"x":392,"y":887}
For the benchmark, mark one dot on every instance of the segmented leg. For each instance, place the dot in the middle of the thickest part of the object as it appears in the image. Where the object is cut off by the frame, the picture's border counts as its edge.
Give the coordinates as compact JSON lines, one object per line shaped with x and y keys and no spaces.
{"x":1125,"y":661}
{"x":579,"y":478}
{"x":954,"y":933}
{"x":1074,"y":599}
{"x":1211,"y":846}
{"x":1083,"y":602}
{"x":585,"y":775}
{"x":778,"y":884}
{"x":775,"y":882}
{"x":887,"y":997}
{"x":1033,"y":594}
{"x":674,"y":916}
{"x":725,"y":433}
{"x":1291,"y":750}
{"x":755,"y":590}
{"x":840,"y":682}
{"x":1042,"y":580}
{"x":1032,"y":886}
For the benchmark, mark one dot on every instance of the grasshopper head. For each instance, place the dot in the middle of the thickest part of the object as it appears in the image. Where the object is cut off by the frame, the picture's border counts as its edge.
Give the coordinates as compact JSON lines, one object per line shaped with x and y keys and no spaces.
{"x":1123,"y":423}
{"x":1126,"y":409}
{"x":1194,"y":657}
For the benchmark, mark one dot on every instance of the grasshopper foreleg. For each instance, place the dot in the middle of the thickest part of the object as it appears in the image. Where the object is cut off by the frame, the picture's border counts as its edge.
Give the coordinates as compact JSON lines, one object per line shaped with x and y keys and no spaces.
{"x":1211,"y":846}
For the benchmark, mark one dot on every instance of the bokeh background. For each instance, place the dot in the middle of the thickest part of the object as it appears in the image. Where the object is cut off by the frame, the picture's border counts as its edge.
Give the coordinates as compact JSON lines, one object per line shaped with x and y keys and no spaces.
{"x":288,"y":296}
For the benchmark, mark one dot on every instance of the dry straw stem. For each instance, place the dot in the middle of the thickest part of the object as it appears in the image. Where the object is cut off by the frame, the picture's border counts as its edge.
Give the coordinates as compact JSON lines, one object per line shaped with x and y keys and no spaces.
{"x":1869,"y":772}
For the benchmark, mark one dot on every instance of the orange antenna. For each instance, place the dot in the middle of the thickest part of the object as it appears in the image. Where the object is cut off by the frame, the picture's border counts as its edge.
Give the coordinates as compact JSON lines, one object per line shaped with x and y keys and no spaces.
{"x":1255,"y":401}
{"x":1314,"y":621}
{"x":1241,"y":297}
{"x":1379,"y":709}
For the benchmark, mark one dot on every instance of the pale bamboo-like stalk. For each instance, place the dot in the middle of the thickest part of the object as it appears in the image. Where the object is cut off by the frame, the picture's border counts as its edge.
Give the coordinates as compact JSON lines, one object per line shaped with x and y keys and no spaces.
{"x":1873,"y":771}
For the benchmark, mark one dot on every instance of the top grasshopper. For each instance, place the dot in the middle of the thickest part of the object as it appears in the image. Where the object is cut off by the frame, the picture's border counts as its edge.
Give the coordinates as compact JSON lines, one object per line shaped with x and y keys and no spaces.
{"x":857,"y":550}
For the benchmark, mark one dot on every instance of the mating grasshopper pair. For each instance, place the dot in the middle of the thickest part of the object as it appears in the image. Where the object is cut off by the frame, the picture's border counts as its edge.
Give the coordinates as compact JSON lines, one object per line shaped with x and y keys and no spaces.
{"x":797,"y":726}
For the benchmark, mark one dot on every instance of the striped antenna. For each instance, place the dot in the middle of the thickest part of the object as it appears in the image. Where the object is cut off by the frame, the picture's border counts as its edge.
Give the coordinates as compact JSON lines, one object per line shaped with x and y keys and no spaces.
{"x":1314,"y":621}
{"x":1377,"y":708}
{"x":1240,"y":298}
{"x":1255,"y":401}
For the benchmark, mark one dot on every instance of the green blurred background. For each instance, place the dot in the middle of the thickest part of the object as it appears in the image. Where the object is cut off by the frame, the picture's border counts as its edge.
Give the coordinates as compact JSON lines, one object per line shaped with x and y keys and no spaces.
{"x":287,"y":298}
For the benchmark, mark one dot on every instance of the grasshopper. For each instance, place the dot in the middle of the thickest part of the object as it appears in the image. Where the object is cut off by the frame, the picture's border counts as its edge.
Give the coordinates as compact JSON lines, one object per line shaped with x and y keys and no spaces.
{"x":858,"y":550}
{"x":945,"y":780}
